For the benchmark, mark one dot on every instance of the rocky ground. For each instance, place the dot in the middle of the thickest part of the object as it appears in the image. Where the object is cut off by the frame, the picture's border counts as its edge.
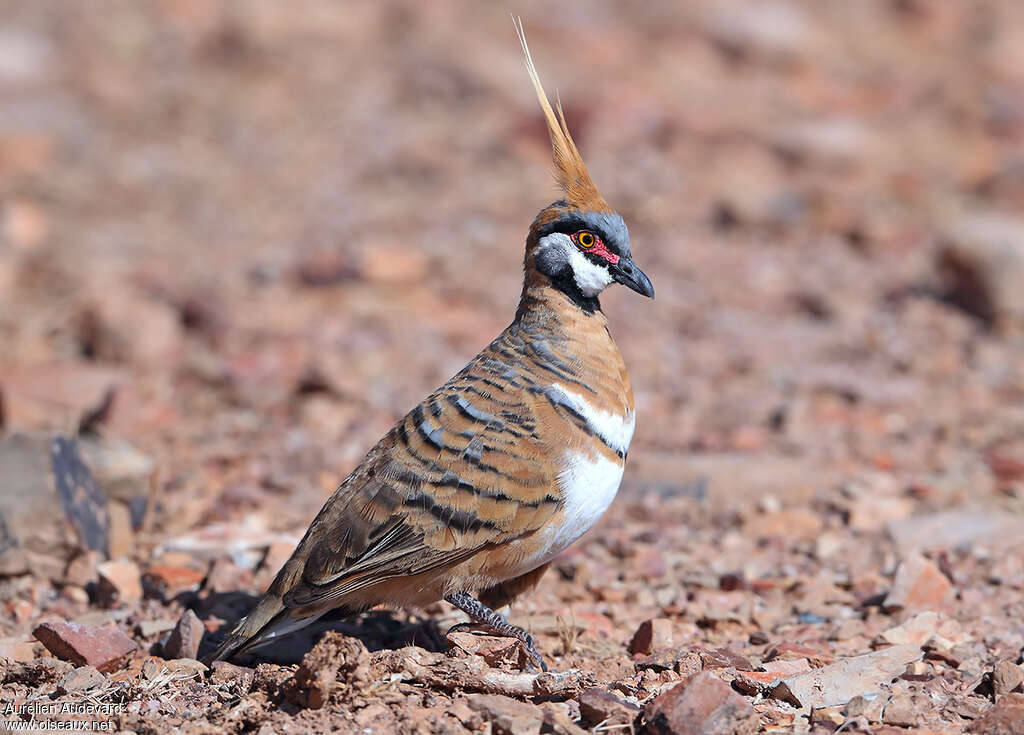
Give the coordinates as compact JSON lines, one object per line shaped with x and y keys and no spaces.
{"x":238,"y":240}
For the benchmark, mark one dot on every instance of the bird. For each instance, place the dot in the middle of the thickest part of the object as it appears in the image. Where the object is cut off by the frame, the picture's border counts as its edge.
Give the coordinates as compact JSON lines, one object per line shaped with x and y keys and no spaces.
{"x":475,"y":491}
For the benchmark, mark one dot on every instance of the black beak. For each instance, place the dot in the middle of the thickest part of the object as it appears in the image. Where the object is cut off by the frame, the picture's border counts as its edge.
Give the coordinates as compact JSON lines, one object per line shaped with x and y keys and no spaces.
{"x":626,"y":273}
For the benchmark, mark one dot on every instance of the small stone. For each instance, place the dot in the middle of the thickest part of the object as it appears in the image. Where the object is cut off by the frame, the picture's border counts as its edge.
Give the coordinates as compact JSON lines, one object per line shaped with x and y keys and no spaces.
{"x":21,"y":610}
{"x":226,"y":576}
{"x":75,"y":594}
{"x":917,"y":669}
{"x":1006,"y":718}
{"x":186,"y":666}
{"x":840,"y":682}
{"x":944,"y":657}
{"x":650,"y":563}
{"x":508,"y":716}
{"x":152,"y":668}
{"x":775,"y":32}
{"x":869,"y":707}
{"x":558,"y":722}
{"x":971,"y":707}
{"x":376,"y":718}
{"x":701,"y":704}
{"x":786,"y":666}
{"x":599,"y":706}
{"x":770,"y":675}
{"x":920,"y":629}
{"x":722,"y":658}
{"x":46,"y":670}
{"x":953,"y":528}
{"x":759,"y":638}
{"x":121,"y":533}
{"x":981,"y":263}
{"x":681,"y":660}
{"x":81,"y":679}
{"x":47,"y":494}
{"x":105,"y":648}
{"x":828,"y":717}
{"x":1006,"y":677}
{"x":83,"y":569}
{"x":119,"y":583}
{"x":238,"y":678}
{"x":150,"y":628}
{"x":918,"y":585}
{"x":1005,"y":466}
{"x":97,"y":619}
{"x":828,"y":544}
{"x":798,"y":524}
{"x":185,"y":638}
{"x":789,"y":651}
{"x":871,"y":512}
{"x":901,"y":711}
{"x":496,"y":650}
{"x":18,"y":649}
{"x":167,"y":581}
{"x":756,"y":682}
{"x":652,"y":635}
{"x":334,"y":654}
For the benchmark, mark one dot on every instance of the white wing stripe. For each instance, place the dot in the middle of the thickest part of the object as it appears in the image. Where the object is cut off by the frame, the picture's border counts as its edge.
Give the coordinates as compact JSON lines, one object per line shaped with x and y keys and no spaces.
{"x":615,"y":430}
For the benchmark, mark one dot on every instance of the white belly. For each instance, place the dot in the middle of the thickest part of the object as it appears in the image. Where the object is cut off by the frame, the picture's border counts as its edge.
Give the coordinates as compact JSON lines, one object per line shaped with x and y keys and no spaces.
{"x":590,"y":483}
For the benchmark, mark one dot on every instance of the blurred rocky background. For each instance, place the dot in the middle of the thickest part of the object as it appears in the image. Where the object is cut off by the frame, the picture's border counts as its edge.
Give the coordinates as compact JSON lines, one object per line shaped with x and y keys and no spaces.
{"x":239,"y":239}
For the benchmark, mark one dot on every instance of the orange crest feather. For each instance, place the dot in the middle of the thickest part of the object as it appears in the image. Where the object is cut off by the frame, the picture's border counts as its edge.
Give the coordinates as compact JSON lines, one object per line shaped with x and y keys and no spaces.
{"x":570,"y":171}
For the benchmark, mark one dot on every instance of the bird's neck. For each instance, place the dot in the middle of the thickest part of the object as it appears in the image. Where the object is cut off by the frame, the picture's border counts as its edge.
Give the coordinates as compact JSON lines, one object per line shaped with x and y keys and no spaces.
{"x":543,"y":294}
{"x":556,"y":330}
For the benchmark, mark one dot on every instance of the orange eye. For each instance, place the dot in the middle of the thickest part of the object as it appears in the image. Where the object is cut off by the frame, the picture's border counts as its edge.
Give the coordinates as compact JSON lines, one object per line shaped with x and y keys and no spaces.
{"x":586,"y":239}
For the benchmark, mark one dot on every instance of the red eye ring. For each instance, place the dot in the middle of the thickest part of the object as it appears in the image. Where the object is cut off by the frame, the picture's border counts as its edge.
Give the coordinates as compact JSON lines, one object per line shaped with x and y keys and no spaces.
{"x":586,"y":239}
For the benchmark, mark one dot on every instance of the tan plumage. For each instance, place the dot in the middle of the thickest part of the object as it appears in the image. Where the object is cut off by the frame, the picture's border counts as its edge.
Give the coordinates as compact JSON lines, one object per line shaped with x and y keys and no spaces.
{"x":570,"y":171}
{"x":486,"y":480}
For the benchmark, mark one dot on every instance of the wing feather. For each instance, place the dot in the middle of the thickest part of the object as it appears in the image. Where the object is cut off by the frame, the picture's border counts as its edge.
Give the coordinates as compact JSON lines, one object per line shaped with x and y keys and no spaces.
{"x":461,"y":471}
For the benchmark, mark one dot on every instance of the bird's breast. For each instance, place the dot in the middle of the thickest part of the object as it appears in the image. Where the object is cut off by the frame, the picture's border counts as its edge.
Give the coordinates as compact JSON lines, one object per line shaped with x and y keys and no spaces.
{"x":589,"y":467}
{"x":611,"y":428}
{"x":590,"y":471}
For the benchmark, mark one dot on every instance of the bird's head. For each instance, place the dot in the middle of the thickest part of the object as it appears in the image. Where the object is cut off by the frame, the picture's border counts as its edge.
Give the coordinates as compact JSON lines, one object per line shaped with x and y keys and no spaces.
{"x":578,"y":243}
{"x":583,"y":251}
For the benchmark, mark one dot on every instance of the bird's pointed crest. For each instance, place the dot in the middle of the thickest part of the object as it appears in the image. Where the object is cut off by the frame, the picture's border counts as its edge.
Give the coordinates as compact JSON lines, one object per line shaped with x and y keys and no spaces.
{"x":570,"y":171}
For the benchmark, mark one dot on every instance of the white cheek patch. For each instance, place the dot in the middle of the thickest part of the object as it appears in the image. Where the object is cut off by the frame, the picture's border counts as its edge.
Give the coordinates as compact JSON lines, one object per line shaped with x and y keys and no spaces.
{"x":591,"y":278}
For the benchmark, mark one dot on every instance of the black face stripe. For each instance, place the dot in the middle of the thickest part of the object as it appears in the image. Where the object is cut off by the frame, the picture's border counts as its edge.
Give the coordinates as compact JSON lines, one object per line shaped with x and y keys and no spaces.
{"x":566,"y":283}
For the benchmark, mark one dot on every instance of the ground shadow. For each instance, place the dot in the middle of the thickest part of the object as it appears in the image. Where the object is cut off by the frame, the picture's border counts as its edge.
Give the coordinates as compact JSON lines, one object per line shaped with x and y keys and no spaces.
{"x":377,"y":629}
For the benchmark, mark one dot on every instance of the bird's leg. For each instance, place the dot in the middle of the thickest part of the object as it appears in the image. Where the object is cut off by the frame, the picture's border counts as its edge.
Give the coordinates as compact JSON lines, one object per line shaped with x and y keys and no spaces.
{"x":480,"y":613}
